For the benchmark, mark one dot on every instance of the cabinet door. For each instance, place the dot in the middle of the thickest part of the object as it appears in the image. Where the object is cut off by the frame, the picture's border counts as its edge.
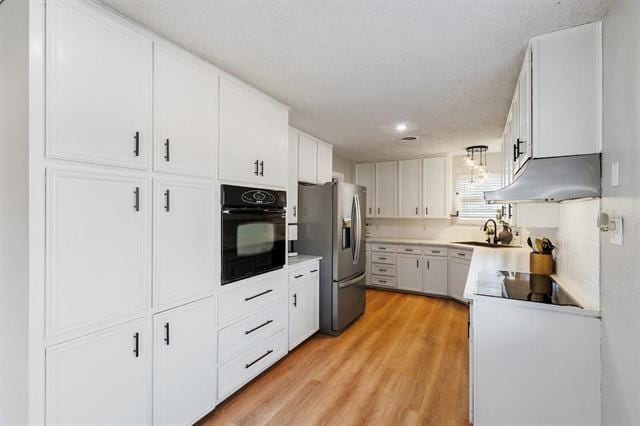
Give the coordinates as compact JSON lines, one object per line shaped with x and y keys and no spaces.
{"x":184,"y":363}
{"x":103,"y":378}
{"x":386,"y":185}
{"x":366,"y":176}
{"x":292,"y":186}
{"x":524,"y":112}
{"x":98,"y":84}
{"x":185,"y":115}
{"x":97,"y":248}
{"x":253,"y":137}
{"x":434,"y":183}
{"x":303,"y":312}
{"x":458,"y":271}
{"x":435,"y":275}
{"x":409,"y":188}
{"x":408,"y":272}
{"x":185,"y":252}
{"x":325,"y":163}
{"x":307,"y":160}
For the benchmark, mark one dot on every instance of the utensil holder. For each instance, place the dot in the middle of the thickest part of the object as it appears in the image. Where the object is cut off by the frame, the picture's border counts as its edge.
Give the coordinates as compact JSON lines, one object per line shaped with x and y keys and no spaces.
{"x":541,"y":264}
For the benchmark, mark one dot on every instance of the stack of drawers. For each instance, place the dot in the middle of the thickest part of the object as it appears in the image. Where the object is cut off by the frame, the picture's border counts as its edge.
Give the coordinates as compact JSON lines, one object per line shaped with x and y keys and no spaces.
{"x":253,"y":324}
{"x":383,"y":265}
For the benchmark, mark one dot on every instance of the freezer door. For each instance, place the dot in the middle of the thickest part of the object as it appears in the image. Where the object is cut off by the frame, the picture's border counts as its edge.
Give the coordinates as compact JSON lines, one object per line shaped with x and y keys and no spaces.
{"x":348,"y":301}
{"x":349,"y":231}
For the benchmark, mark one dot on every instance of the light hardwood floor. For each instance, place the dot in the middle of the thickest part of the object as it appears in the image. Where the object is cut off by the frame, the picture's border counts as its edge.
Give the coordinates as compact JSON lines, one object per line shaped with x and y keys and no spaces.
{"x":404,"y":362}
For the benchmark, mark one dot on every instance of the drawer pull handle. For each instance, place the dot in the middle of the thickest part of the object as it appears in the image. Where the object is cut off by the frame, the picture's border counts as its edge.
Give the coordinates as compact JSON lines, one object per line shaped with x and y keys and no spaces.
{"x":251,"y":363}
{"x":382,"y":258}
{"x":383,"y":270}
{"x":258,"y":327}
{"x":462,"y":254}
{"x":246,"y":299}
{"x":382,"y":281}
{"x":411,"y":250}
{"x":298,"y":276}
{"x":313,"y":270}
{"x":435,"y":251}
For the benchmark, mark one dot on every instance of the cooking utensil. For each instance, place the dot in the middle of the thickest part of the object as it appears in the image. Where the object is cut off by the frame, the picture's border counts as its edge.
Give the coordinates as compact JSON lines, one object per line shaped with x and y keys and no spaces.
{"x":547,"y":246}
{"x":538,"y":245}
{"x":530,"y":244}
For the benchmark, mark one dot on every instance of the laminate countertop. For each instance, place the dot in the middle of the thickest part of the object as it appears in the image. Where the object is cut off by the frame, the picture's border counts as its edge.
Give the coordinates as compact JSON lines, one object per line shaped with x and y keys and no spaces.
{"x":486,"y":261}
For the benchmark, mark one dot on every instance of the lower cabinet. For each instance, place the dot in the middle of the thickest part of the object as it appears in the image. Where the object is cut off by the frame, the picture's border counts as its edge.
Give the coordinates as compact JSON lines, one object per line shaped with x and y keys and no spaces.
{"x":408,"y":272}
{"x":458,"y":271}
{"x":304,"y":315}
{"x":435,"y":275}
{"x":184,"y":363}
{"x":104,"y":377}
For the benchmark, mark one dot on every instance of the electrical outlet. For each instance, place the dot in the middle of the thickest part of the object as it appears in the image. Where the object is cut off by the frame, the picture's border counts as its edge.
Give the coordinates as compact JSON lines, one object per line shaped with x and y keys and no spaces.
{"x":615,"y":229}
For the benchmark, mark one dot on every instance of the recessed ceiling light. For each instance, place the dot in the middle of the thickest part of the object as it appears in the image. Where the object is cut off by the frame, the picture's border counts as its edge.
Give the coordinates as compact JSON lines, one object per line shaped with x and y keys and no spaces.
{"x":401,"y":127}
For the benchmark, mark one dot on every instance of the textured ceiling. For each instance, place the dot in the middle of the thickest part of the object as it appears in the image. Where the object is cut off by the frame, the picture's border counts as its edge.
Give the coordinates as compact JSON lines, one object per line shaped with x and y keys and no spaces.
{"x":351,"y":70}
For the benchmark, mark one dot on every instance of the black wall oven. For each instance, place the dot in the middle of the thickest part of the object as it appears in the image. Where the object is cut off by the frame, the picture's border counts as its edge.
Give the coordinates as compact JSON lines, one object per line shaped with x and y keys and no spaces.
{"x":253,"y":232}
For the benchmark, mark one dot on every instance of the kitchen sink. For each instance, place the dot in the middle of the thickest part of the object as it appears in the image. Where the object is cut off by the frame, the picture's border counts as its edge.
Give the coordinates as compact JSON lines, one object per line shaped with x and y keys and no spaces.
{"x":484,"y":244}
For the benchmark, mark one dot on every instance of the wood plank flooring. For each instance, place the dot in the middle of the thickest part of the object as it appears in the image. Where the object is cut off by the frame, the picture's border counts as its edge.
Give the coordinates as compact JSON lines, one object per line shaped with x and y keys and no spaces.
{"x":404,"y":362}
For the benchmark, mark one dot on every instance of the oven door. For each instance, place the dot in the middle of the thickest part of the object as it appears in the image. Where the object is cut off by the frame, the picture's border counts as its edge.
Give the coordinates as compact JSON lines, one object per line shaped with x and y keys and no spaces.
{"x":253,"y":242}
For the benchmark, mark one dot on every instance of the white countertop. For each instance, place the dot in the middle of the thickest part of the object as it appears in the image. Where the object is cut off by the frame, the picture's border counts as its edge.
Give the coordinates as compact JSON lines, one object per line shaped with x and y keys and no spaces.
{"x":486,"y":261}
{"x":300,"y":259}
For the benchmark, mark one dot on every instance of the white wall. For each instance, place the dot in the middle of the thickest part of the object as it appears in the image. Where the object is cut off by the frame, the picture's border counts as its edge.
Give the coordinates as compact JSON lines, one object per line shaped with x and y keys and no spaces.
{"x":13,"y":211}
{"x":344,"y":166}
{"x":620,"y":266}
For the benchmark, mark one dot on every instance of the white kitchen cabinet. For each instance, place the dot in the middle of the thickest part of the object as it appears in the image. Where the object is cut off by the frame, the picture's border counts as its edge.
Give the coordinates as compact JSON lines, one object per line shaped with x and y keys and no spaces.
{"x":185,"y":253}
{"x":434,"y":184}
{"x":184,"y":363}
{"x":102,"y":378}
{"x":386,"y":187}
{"x":185,"y":107}
{"x":292,"y":184}
{"x":458,"y":272}
{"x":325,"y":163}
{"x":304,"y":314}
{"x":307,"y":159}
{"x":365,"y":175}
{"x":435,"y":275}
{"x":409,"y":188}
{"x":523,"y":141}
{"x":408,"y":272}
{"x":97,"y":249}
{"x":368,"y":268}
{"x":98,"y":87}
{"x":253,"y":137}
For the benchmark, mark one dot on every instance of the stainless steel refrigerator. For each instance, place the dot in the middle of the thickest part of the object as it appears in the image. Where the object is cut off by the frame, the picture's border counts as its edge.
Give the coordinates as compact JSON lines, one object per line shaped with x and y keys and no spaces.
{"x":332,"y":225}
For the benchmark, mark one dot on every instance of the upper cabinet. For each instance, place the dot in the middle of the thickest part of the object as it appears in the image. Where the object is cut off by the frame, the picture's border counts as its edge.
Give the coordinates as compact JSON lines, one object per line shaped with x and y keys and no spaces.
{"x":292,"y":184}
{"x":315,"y":159}
{"x":98,"y":87}
{"x":557,"y":103}
{"x":366,"y":176}
{"x":434,"y":183}
{"x":386,"y":187}
{"x":185,"y":114}
{"x":409,"y":188}
{"x":253,"y":137}
{"x":307,"y":159}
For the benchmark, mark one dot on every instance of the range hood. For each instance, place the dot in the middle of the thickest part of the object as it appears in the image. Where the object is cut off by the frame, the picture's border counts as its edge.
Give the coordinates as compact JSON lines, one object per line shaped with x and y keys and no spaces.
{"x":552,"y":179}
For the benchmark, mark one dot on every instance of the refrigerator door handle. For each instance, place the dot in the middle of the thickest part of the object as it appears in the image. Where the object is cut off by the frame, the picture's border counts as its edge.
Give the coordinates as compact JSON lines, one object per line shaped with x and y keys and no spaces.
{"x":357,"y":231}
{"x":352,"y":281}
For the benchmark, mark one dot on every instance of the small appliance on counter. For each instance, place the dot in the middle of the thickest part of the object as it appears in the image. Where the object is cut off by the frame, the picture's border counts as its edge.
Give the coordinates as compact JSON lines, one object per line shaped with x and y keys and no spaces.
{"x":293,"y":237}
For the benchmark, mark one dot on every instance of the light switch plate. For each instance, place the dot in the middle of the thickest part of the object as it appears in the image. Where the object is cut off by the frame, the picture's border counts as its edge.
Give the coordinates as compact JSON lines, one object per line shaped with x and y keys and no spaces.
{"x":616,"y":234}
{"x":615,"y":173}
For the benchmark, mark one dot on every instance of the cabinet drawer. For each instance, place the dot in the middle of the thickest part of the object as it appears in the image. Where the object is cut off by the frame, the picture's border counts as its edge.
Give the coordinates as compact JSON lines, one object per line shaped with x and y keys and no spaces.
{"x":460,"y":253}
{"x":387,"y":248}
{"x":240,"y":336}
{"x":250,"y":298}
{"x":383,"y":281}
{"x":303,"y":274}
{"x":250,"y":363}
{"x":409,"y":249}
{"x":388,"y":270}
{"x":387,"y":258}
{"x":434,"y":251}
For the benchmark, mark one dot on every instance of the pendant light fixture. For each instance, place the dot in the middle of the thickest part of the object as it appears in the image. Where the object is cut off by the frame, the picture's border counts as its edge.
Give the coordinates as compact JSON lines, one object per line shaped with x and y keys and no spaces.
{"x":476,"y":161}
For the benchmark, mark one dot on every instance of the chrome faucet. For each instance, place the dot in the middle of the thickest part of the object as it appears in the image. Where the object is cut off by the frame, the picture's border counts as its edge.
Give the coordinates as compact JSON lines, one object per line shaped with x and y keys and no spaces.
{"x":486,"y":229}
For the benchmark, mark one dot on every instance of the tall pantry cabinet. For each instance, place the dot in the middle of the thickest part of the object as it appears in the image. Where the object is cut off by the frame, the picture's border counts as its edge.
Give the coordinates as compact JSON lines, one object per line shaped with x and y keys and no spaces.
{"x":114,"y":205}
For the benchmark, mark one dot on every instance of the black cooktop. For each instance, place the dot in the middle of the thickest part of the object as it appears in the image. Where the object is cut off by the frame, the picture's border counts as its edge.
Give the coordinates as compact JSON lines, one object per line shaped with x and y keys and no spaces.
{"x":531,"y":288}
